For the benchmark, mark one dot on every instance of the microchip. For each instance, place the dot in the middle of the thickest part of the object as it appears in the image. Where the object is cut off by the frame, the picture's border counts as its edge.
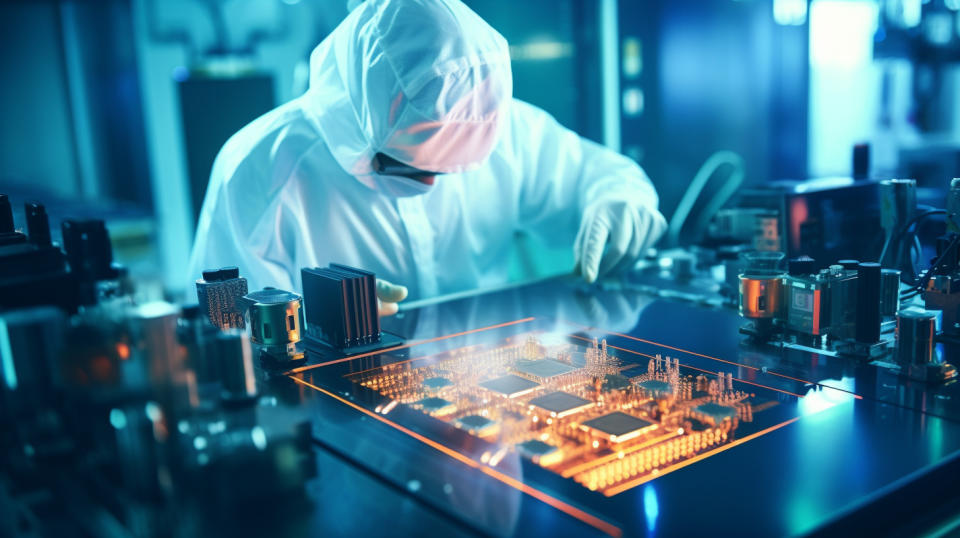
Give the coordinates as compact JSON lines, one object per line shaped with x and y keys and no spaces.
{"x":697,"y":426}
{"x":542,"y":369}
{"x":714,"y":412}
{"x":655,"y":386}
{"x":436,"y":383}
{"x":477,"y":425}
{"x":560,"y":404}
{"x":510,"y":385}
{"x":615,"y":382}
{"x":618,"y":427}
{"x":540,"y":452}
{"x":437,"y":406}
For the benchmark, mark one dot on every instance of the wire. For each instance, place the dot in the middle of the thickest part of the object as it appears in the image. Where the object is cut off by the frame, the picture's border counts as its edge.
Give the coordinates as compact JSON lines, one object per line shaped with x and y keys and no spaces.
{"x":895,"y":237}
{"x":700,"y":179}
{"x":934,"y":268}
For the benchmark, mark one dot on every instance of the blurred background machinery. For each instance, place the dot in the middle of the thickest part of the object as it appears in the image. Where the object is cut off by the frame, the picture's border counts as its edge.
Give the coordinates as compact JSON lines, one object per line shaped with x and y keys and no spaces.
{"x":118,"y":108}
{"x":125,"y":413}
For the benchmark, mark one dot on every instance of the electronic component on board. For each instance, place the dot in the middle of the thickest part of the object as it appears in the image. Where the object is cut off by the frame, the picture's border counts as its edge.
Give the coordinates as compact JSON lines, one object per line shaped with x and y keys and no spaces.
{"x":560,"y":404}
{"x":916,"y":342}
{"x":656,"y":388}
{"x":889,"y":292}
{"x":953,"y":206}
{"x":607,"y":439}
{"x":477,"y":425}
{"x":342,"y":306}
{"x":276,"y":322}
{"x":540,"y":452}
{"x":815,"y":308}
{"x":761,"y":289}
{"x":713,"y":413}
{"x":435,"y":384}
{"x":510,"y":386}
{"x":806,"y":298}
{"x":38,"y":225}
{"x":618,"y":426}
{"x":88,"y":247}
{"x":868,"y":303}
{"x":231,"y":351}
{"x":34,"y":271}
{"x":542,"y":369}
{"x":219,"y":293}
{"x":898,"y":206}
{"x":942,"y":290}
{"x":916,"y":330}
{"x":436,"y":406}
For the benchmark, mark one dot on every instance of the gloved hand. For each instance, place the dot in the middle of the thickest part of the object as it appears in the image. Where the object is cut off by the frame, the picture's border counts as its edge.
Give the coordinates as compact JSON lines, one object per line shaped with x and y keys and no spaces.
{"x":388,"y":295}
{"x":613,"y":235}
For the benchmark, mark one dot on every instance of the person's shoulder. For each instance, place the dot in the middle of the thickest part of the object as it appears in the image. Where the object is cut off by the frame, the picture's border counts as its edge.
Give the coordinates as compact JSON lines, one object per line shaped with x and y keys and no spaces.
{"x":523,"y":120}
{"x":274,"y":141}
{"x":522,"y":113}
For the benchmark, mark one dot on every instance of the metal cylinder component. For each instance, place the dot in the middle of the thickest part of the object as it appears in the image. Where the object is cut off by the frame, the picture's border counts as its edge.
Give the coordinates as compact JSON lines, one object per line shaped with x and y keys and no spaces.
{"x":219,"y":293}
{"x":915,"y":336}
{"x":761,"y":285}
{"x":898,"y":205}
{"x":868,"y":303}
{"x":153,"y":349}
{"x":889,"y":292}
{"x":230,"y":350}
{"x":276,"y":318}
{"x":898,"y":202}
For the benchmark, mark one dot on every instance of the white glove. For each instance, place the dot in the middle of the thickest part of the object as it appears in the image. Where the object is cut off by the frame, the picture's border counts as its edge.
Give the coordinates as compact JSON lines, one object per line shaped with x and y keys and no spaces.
{"x":613,"y":235}
{"x":388,"y":295}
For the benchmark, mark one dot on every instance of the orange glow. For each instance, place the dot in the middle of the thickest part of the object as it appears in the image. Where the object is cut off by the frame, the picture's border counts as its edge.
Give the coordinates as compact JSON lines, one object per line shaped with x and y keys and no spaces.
{"x":694,"y":367}
{"x":572,"y":511}
{"x":567,"y":473}
{"x":816,"y":312}
{"x":799,"y":213}
{"x":411,"y":344}
{"x":123,"y":350}
{"x":610,"y":492}
{"x":102,"y":368}
{"x":857,"y":396}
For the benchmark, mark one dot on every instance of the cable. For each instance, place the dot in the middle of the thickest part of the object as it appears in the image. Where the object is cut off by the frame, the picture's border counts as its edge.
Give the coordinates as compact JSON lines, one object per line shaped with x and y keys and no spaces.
{"x":935,"y":266}
{"x":895,"y":237}
{"x":922,"y":281}
{"x":700,"y":179}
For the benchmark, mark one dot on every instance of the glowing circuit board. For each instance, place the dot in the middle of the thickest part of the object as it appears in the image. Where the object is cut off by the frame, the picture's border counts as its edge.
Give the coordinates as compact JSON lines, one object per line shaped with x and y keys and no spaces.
{"x":571,"y":405}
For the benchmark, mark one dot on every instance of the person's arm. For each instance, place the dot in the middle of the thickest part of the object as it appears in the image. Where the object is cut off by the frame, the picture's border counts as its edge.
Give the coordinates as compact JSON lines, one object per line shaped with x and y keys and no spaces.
{"x":580,"y":193}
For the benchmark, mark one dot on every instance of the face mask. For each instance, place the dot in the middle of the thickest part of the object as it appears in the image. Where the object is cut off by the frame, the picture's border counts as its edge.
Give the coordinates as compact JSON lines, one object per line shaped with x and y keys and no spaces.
{"x":398,"y":186}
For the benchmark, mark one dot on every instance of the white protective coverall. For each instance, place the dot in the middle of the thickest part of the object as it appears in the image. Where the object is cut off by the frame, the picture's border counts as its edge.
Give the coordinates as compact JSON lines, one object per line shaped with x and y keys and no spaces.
{"x":428,"y":83}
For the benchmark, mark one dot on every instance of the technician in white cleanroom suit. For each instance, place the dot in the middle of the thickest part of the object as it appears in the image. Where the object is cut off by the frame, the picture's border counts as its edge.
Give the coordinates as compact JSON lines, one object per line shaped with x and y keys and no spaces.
{"x":409,"y":157}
